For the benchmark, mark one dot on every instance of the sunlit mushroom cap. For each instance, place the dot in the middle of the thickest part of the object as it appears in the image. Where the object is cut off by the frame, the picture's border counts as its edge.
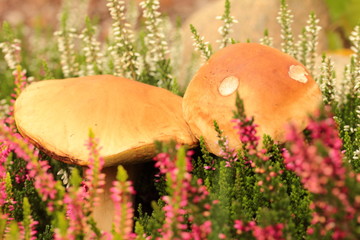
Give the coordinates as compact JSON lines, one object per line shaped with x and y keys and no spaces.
{"x":125,"y":115}
{"x":276,"y":89}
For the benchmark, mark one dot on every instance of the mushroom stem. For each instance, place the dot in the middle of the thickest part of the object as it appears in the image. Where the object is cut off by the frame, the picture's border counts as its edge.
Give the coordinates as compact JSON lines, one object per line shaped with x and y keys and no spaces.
{"x":104,"y":212}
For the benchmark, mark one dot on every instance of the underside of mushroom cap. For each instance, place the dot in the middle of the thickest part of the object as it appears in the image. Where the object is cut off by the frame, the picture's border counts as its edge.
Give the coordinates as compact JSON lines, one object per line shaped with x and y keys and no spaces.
{"x":125,"y":115}
{"x":276,"y":89}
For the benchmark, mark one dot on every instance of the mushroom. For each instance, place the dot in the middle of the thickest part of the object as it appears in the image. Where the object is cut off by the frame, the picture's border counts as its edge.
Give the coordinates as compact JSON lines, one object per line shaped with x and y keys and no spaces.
{"x":276,"y":89}
{"x":125,"y":115}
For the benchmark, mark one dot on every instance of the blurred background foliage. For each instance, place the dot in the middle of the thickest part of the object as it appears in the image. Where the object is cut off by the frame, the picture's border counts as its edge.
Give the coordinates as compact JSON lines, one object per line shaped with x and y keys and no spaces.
{"x":344,"y":15}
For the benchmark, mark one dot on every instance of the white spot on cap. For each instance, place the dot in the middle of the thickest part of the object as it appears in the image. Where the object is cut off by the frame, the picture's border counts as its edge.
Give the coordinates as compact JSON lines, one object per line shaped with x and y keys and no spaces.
{"x":298,"y":73}
{"x":228,"y":85}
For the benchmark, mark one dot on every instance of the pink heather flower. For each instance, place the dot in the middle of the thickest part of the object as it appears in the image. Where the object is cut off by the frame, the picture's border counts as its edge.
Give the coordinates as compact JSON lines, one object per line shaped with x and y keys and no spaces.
{"x":6,"y":201}
{"x":38,"y":170}
{"x":247,"y":132}
{"x":31,"y":234}
{"x":80,"y":200}
{"x":121,"y":194}
{"x":222,"y":236}
{"x":198,"y":196}
{"x":272,"y":232}
{"x":44,"y":182}
{"x":211,"y":167}
{"x":178,"y":181}
{"x":315,"y":169}
{"x":94,"y":180}
{"x":75,"y":212}
{"x":230,"y":155}
{"x":4,"y":154}
{"x":20,"y":83}
{"x":269,"y":232}
{"x":319,"y":165}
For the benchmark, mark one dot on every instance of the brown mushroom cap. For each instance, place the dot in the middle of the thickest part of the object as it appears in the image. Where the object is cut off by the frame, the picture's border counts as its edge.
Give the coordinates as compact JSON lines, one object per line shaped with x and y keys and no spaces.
{"x":127,"y":116}
{"x":276,"y":89}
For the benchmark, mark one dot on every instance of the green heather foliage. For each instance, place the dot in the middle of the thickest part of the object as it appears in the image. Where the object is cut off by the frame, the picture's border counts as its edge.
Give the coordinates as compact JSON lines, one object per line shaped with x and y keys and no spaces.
{"x":305,"y":188}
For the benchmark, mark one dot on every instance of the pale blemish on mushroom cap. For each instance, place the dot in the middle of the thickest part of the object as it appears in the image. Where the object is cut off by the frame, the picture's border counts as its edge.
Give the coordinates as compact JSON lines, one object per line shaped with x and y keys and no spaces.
{"x":298,"y":73}
{"x":228,"y":86}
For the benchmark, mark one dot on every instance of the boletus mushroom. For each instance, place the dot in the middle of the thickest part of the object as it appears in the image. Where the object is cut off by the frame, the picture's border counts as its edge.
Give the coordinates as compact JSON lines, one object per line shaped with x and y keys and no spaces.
{"x":276,"y":89}
{"x":125,"y":115}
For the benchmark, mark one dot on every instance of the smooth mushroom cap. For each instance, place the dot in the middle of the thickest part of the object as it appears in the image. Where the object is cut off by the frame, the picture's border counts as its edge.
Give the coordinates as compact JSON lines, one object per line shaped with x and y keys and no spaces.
{"x":276,"y":89}
{"x":125,"y":115}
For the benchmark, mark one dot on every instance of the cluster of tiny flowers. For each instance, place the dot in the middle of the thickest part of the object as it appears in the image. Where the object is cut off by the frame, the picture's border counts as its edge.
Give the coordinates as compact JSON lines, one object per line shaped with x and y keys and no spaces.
{"x":354,"y":67}
{"x":320,"y":167}
{"x":23,"y":234}
{"x":285,"y":19}
{"x":77,"y":219}
{"x":121,"y":195}
{"x":94,"y":179}
{"x":358,"y":113}
{"x":230,"y":155}
{"x":5,"y":198}
{"x":312,"y":30}
{"x":4,"y":154}
{"x":80,"y":200}
{"x":272,"y":232}
{"x":44,"y":181}
{"x":267,"y":40}
{"x":64,"y":176}
{"x":198,"y":232}
{"x":203,"y":47}
{"x":93,"y":55}
{"x":126,"y":59}
{"x":226,"y":28}
{"x":178,"y":182}
{"x":11,"y":51}
{"x":314,"y":169}
{"x":301,"y":46}
{"x":246,"y":130}
{"x":355,"y":39}
{"x":198,"y":196}
{"x":327,"y":80}
{"x":66,"y":45}
{"x":75,"y":10}
{"x":28,"y":225}
{"x":356,"y":155}
{"x":4,"y":108}
{"x":155,"y":39}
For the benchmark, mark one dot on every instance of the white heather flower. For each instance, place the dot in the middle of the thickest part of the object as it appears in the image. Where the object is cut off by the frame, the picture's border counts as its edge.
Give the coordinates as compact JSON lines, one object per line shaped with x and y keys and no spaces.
{"x":203,"y":47}
{"x":75,"y":10}
{"x":125,"y":59}
{"x":4,"y":108}
{"x":356,"y":154}
{"x":11,"y":51}
{"x":93,"y":55}
{"x":355,"y":40}
{"x":285,"y":19}
{"x":266,"y":40}
{"x":301,"y":46}
{"x":312,"y":30}
{"x":64,"y":177}
{"x":226,"y":28}
{"x":327,"y":80}
{"x":155,"y":40}
{"x":66,"y":47}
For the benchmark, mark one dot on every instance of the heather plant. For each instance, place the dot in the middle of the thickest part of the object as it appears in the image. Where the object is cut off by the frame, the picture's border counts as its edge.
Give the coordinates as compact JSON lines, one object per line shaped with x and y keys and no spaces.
{"x":305,"y":188}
